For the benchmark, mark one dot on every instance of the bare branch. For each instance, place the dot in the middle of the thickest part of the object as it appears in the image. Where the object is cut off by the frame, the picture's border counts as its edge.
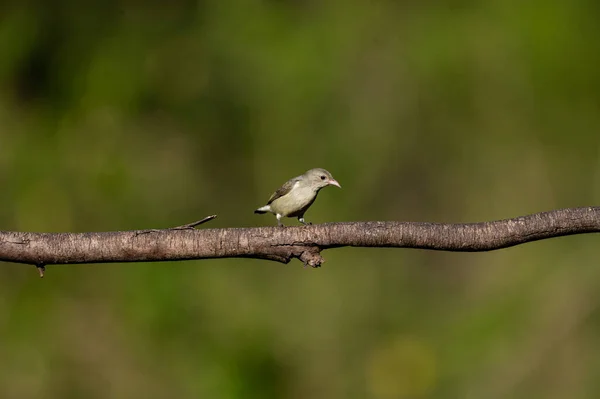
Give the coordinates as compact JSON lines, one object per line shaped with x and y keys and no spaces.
{"x":285,"y":243}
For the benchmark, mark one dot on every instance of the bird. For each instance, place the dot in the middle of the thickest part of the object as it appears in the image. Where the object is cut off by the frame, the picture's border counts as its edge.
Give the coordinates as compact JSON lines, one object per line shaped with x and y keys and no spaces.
{"x":297,"y":195}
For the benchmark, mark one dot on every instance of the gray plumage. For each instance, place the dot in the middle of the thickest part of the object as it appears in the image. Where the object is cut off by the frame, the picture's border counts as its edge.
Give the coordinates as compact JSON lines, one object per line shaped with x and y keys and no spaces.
{"x":297,"y":195}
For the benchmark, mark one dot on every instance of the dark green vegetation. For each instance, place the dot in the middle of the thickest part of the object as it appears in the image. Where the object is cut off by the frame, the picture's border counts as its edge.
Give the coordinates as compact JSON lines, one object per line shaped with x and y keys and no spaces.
{"x":119,"y":117}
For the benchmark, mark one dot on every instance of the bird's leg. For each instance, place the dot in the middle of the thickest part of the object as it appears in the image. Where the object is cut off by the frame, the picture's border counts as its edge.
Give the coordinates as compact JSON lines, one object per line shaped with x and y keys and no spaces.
{"x":279,"y":223}
{"x":301,"y":220}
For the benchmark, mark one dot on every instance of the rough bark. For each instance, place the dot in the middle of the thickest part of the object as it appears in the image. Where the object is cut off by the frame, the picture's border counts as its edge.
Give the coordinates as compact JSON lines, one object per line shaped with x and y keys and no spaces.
{"x":285,"y":243}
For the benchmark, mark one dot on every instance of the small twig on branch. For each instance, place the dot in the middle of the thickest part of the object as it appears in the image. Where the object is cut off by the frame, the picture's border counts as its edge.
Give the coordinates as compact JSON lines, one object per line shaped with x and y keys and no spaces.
{"x":283,"y":244}
{"x":191,"y":226}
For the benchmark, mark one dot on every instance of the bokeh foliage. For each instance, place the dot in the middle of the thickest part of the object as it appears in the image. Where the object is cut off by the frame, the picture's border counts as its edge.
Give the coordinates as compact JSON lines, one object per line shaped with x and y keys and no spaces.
{"x":125,"y":115}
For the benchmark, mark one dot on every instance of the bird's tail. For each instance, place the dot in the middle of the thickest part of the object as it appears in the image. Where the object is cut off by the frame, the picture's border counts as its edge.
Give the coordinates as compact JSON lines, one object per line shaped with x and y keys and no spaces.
{"x":263,"y":209}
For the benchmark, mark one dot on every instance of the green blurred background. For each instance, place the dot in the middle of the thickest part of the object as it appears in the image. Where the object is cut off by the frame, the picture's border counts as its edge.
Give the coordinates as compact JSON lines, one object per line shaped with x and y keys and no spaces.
{"x":115,"y":115}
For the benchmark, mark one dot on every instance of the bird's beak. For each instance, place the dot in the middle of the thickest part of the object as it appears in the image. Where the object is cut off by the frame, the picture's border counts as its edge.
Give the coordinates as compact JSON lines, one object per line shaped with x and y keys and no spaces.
{"x":334,"y":182}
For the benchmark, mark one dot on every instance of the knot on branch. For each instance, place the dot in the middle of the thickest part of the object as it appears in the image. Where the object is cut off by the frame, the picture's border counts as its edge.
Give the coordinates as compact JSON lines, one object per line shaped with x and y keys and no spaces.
{"x":310,"y":256}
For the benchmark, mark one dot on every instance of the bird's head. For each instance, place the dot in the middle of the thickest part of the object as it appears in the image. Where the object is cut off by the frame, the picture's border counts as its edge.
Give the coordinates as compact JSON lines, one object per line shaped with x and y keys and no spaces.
{"x":319,"y":178}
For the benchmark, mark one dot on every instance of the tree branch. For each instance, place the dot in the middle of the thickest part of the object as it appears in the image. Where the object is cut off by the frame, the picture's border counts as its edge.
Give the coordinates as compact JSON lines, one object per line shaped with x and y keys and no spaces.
{"x":285,"y":243}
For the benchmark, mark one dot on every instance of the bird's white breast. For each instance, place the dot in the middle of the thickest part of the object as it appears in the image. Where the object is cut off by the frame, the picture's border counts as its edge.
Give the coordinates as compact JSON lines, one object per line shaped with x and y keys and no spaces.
{"x":298,"y":198}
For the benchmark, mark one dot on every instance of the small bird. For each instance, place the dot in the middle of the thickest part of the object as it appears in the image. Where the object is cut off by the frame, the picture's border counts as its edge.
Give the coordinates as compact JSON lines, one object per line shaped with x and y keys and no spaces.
{"x":297,"y":195}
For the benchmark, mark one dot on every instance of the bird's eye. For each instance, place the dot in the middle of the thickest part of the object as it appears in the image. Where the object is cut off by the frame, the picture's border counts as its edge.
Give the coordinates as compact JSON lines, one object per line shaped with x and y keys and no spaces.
{"x":322,"y":177}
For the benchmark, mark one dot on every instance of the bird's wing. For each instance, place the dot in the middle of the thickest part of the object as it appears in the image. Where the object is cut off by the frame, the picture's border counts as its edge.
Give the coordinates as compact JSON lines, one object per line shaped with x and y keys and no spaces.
{"x":283,"y":190}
